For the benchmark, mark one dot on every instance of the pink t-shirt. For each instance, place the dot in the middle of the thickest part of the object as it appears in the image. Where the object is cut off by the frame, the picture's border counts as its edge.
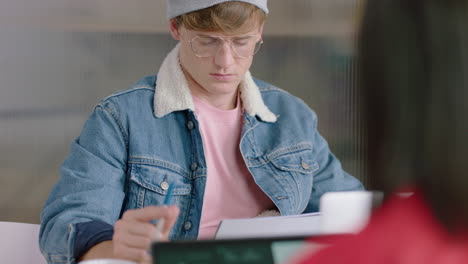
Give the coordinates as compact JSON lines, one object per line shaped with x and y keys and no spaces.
{"x":230,"y":191}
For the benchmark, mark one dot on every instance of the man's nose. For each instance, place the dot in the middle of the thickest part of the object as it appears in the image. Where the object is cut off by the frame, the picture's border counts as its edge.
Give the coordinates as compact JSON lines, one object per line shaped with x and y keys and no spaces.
{"x":224,"y":56}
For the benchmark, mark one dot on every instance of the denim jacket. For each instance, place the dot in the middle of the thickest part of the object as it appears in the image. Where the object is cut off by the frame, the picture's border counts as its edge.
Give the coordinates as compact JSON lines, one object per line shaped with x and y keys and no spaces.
{"x":137,"y":141}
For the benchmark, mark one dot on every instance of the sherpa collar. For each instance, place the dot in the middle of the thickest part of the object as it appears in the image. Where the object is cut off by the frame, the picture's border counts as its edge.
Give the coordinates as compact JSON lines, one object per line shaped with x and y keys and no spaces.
{"x":173,"y":93}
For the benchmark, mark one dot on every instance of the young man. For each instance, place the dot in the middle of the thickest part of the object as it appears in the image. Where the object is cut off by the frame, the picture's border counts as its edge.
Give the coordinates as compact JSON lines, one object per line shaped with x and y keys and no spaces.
{"x":229,"y":146}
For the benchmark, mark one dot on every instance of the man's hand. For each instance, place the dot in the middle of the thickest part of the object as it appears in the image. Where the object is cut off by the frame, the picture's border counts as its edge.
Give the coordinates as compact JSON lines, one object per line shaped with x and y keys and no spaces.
{"x":133,"y":233}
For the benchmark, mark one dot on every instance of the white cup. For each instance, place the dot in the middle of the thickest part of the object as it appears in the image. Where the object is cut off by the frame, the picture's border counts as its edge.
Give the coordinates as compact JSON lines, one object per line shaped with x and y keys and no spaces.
{"x":346,"y":212}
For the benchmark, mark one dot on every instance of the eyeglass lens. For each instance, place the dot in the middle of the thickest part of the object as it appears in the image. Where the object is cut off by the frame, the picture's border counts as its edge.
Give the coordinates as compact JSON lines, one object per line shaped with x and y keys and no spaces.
{"x":208,"y":46}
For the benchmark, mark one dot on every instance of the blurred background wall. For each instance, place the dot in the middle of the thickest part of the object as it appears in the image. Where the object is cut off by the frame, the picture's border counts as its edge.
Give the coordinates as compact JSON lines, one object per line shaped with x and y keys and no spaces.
{"x":58,"y":58}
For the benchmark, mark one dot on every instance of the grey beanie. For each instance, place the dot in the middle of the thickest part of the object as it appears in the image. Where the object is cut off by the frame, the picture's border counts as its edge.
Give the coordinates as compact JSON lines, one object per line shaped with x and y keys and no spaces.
{"x":178,"y":7}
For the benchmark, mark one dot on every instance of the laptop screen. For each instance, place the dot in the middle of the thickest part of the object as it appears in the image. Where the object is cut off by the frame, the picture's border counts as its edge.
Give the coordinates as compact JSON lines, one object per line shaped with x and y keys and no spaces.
{"x":251,"y":251}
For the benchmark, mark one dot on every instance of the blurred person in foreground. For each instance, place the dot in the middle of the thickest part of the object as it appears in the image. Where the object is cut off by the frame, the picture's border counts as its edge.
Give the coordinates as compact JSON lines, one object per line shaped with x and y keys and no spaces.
{"x":414,"y":86}
{"x":228,"y":145}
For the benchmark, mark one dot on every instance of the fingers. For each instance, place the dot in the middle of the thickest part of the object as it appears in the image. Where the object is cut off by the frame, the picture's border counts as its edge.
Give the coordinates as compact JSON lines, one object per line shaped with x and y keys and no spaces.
{"x":170,"y":219}
{"x":133,"y":241}
{"x":132,"y":254}
{"x":133,"y":233}
{"x":148,"y":213}
{"x":134,"y":227}
{"x":130,"y":239}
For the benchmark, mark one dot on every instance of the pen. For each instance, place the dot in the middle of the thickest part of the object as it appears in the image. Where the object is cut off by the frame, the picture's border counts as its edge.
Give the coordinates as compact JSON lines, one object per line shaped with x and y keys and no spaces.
{"x":160,"y":224}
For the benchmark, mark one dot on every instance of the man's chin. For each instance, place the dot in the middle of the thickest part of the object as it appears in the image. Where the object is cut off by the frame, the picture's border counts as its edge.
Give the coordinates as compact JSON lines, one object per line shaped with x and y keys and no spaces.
{"x":226,"y":87}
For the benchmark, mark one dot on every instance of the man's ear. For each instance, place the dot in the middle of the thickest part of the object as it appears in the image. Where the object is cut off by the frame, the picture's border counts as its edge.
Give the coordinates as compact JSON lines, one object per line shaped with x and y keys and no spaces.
{"x":174,"y":29}
{"x":261,"y":28}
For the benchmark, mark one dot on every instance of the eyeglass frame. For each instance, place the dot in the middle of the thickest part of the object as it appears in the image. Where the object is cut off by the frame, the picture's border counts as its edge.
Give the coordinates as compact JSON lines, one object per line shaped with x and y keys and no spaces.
{"x":228,"y":40}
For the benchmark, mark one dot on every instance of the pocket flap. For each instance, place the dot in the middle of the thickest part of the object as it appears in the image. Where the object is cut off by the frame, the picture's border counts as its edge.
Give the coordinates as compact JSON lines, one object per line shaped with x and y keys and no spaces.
{"x":299,"y":161}
{"x":158,"y":179}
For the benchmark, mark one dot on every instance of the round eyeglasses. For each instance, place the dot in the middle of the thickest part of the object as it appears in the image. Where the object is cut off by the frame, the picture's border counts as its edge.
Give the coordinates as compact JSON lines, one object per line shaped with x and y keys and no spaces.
{"x":204,"y":46}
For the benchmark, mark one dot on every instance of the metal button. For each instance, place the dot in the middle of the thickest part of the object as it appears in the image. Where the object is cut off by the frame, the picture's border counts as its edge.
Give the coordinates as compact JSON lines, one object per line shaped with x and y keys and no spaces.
{"x":190,"y":125}
{"x":194,"y":166}
{"x":187,"y":225}
{"x":164,"y":185}
{"x":305,"y":166}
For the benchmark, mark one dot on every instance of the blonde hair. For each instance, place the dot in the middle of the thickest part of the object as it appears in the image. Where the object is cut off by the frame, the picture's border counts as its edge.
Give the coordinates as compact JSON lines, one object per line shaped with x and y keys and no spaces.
{"x":233,"y":17}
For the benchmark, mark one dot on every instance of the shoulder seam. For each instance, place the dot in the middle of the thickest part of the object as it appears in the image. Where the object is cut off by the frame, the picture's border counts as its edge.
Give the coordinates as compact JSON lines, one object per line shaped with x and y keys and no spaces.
{"x":112,"y":113}
{"x":271,"y":88}
{"x":130,"y":90}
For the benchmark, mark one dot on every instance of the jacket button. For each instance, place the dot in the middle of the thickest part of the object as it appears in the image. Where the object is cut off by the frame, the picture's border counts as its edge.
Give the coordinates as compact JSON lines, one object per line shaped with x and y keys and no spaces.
{"x":190,"y":124}
{"x":164,"y":185}
{"x":194,"y":166}
{"x":187,"y":225}
{"x":305,"y":166}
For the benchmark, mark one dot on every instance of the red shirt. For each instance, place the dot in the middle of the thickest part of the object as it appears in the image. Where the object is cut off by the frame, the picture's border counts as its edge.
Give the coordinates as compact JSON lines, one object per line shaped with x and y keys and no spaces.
{"x":403,"y":231}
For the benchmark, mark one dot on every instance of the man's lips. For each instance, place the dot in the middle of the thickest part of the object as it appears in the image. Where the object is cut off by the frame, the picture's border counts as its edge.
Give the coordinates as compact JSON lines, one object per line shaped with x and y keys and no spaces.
{"x":222,"y":77}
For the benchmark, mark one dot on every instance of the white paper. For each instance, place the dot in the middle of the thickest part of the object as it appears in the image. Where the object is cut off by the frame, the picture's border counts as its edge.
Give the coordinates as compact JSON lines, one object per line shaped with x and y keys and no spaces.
{"x":275,"y":226}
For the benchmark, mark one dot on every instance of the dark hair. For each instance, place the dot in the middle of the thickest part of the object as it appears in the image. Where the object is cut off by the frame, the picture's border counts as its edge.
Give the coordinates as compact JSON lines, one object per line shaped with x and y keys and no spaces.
{"x":230,"y":17}
{"x":413,"y":59}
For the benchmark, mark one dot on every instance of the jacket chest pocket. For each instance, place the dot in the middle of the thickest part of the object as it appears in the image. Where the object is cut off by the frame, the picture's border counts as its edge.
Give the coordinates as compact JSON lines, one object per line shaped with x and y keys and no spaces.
{"x":294,"y":169}
{"x":149,"y":185}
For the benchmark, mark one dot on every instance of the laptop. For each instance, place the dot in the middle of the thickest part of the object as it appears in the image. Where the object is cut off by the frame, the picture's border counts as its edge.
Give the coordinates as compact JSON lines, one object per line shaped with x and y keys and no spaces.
{"x":228,"y":251}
